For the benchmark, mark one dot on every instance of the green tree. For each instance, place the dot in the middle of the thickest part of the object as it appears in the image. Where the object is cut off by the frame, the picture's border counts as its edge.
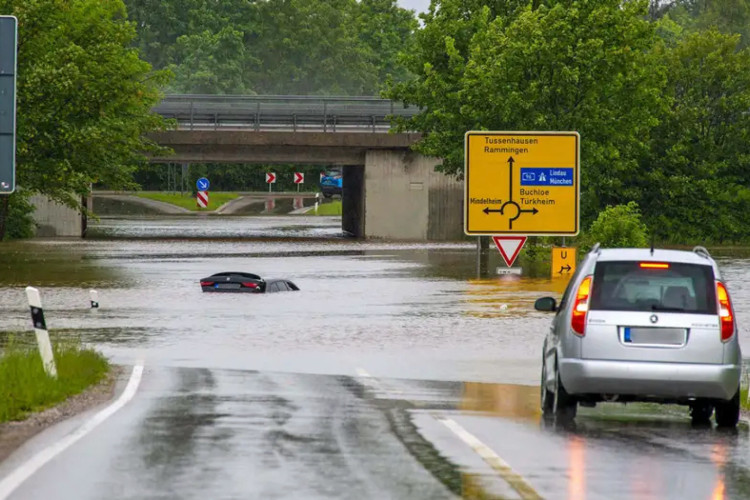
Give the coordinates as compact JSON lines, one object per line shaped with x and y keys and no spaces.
{"x":616,"y":227}
{"x":727,"y":16}
{"x":698,"y":169}
{"x":386,"y":30}
{"x":210,"y":63}
{"x":84,"y":97}
{"x":584,"y":65}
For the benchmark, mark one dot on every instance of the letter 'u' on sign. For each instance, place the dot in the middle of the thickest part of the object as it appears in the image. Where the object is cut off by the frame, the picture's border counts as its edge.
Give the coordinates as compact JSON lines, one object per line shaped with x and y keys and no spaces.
{"x":563,"y":262}
{"x":521,"y":183}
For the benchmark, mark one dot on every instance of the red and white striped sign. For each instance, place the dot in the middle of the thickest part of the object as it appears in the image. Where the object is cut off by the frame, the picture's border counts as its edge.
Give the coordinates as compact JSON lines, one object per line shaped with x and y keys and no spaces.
{"x":270,"y":178}
{"x":299,"y":177}
{"x":202,"y":199}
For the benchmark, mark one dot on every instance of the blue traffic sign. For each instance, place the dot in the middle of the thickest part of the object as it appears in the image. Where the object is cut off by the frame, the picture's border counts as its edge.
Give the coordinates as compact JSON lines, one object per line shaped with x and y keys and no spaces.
{"x":547,"y":177}
{"x":202,"y":184}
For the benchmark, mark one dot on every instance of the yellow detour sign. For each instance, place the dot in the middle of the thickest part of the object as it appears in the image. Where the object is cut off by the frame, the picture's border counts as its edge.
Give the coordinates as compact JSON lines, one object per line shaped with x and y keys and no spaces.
{"x":522,"y":183}
{"x":563,"y":262}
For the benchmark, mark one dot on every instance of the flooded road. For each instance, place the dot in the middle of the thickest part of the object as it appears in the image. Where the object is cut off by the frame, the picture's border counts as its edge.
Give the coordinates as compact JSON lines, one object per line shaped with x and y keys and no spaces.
{"x":401,"y":310}
{"x":345,"y":388}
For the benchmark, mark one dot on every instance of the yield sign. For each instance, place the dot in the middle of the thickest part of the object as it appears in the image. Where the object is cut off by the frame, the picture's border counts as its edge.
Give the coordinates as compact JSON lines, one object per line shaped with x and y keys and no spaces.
{"x":299,"y":177}
{"x":509,"y":246}
{"x":270,"y":177}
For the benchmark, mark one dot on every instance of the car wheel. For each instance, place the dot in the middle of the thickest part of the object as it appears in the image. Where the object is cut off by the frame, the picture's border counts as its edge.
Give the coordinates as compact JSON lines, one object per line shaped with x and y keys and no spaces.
{"x":728,"y":412}
{"x":564,"y":406}
{"x":700,"y":412}
{"x":547,"y":398}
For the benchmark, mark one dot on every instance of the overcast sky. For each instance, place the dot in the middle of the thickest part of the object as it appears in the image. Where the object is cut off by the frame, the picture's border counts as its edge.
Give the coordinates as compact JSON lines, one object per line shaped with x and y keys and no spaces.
{"x":418,"y":5}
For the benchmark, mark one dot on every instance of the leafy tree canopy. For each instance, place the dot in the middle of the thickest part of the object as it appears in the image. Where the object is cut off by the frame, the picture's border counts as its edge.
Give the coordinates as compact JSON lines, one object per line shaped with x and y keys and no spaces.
{"x":84,"y":96}
{"x":305,"y":47}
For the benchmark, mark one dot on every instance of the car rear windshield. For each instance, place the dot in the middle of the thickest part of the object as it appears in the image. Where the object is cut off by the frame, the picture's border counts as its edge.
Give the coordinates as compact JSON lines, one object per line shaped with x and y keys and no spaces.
{"x":636,"y":286}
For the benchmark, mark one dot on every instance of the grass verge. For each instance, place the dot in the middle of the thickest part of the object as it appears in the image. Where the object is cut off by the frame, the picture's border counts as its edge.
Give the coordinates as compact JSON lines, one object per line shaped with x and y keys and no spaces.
{"x":24,"y":386}
{"x":215,"y":199}
{"x":333,"y":208}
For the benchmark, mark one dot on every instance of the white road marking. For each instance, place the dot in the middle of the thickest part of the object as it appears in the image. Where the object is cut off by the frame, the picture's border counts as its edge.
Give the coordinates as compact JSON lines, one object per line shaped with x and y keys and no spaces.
{"x":515,"y":480}
{"x":27,"y":469}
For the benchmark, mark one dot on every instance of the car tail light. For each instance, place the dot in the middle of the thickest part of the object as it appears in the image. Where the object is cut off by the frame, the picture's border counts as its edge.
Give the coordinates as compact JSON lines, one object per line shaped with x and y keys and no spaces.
{"x":207,"y":283}
{"x":581,"y":307}
{"x":654,"y":265}
{"x":250,"y":284}
{"x":726,"y":314}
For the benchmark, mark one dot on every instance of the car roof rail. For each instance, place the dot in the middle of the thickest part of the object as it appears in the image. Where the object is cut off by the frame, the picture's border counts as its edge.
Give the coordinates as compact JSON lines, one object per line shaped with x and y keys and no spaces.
{"x":595,"y":248}
{"x":702,"y":252}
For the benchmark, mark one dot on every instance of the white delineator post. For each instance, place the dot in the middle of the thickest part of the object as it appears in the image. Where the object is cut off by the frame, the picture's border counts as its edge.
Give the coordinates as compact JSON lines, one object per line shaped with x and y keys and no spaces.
{"x":40,"y":328}
{"x":94,"y":299}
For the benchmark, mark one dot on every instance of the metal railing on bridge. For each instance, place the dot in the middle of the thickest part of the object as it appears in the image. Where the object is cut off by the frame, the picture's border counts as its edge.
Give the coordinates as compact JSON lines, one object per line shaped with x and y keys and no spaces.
{"x":282,"y":113}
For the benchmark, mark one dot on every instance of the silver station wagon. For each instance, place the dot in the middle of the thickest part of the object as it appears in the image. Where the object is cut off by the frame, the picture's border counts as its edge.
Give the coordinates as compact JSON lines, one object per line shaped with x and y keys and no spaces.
{"x":643,"y":325}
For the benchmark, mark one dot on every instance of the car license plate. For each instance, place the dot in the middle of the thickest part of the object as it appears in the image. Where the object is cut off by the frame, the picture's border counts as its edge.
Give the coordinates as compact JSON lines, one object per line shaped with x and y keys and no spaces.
{"x":654,"y":336}
{"x":227,"y":286}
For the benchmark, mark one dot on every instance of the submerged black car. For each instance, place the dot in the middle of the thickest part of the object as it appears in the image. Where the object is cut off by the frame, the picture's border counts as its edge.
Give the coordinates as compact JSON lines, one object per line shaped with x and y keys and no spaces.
{"x":245,"y":283}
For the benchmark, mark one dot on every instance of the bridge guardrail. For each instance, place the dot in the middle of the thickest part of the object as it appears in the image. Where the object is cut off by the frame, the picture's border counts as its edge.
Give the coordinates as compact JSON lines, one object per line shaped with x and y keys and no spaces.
{"x":296,"y":113}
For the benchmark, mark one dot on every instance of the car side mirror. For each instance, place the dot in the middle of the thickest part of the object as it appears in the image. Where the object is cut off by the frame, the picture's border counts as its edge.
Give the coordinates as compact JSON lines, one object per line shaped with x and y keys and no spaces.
{"x":546,"y":304}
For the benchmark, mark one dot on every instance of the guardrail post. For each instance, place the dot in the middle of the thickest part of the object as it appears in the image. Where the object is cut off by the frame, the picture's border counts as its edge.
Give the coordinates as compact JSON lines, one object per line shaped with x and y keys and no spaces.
{"x":294,"y":122}
{"x":257,"y":116}
{"x":325,"y":117}
{"x":191,"y":115}
{"x":40,"y":328}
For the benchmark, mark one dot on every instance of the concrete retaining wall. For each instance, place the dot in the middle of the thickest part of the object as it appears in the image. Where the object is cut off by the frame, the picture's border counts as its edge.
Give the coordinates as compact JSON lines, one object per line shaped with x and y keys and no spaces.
{"x":54,"y":219}
{"x":405,"y":199}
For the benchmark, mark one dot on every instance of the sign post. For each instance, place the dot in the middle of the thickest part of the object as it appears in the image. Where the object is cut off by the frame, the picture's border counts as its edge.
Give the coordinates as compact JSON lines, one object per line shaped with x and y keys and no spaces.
{"x":8,"y":50}
{"x":201,"y":198}
{"x":270,"y":180}
{"x":520,"y":184}
{"x":299,"y":178}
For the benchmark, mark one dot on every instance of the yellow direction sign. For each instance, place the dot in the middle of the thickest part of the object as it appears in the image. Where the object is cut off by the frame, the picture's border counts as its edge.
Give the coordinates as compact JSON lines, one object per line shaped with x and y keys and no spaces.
{"x":522,"y":183}
{"x":563,"y":262}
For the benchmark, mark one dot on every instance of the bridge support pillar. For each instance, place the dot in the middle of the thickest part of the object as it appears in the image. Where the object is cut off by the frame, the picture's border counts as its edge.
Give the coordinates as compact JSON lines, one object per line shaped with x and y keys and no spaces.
{"x":353,"y":201}
{"x":405,"y":199}
{"x":56,"y":220}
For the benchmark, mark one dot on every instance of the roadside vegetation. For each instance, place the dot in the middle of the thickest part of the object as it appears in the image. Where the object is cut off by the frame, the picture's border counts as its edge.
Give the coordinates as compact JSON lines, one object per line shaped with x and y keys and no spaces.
{"x":332,"y":208}
{"x":24,"y":386}
{"x":215,"y":199}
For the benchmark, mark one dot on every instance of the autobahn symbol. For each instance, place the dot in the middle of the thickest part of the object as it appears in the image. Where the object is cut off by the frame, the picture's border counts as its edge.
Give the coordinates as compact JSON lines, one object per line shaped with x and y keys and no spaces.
{"x":202,"y":199}
{"x":299,"y":177}
{"x":523,"y":183}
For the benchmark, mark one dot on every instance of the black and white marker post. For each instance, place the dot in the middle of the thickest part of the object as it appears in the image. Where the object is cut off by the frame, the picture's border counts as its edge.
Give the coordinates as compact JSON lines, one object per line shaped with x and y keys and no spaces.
{"x":40,"y":328}
{"x":94,"y":299}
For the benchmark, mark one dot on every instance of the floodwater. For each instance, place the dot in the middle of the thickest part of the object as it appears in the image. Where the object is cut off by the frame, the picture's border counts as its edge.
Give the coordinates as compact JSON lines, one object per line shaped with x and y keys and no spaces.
{"x":239,"y":383}
{"x":397,"y":310}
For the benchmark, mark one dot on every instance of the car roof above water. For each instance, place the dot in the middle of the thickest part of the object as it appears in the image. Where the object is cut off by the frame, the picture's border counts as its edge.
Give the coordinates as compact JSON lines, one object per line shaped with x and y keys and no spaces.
{"x":659,"y":255}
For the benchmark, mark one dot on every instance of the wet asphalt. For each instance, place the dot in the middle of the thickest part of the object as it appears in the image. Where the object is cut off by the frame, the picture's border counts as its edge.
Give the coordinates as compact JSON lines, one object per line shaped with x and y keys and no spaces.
{"x":341,"y":390}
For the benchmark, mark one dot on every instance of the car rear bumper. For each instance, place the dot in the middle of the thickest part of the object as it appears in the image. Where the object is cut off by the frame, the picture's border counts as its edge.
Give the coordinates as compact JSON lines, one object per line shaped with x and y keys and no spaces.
{"x":650,"y":379}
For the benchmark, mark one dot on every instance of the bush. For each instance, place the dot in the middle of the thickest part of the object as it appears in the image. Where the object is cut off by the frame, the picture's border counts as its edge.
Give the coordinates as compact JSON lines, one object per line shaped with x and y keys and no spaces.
{"x":19,"y":222}
{"x":618,"y":226}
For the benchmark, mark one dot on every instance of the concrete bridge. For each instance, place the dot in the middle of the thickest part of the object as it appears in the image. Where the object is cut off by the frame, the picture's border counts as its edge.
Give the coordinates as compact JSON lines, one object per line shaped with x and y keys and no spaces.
{"x":390,"y":191}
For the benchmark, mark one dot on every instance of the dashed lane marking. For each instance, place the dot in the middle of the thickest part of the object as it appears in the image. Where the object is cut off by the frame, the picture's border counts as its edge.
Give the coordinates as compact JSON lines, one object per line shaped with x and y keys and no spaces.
{"x":28,"y":468}
{"x":515,"y":480}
